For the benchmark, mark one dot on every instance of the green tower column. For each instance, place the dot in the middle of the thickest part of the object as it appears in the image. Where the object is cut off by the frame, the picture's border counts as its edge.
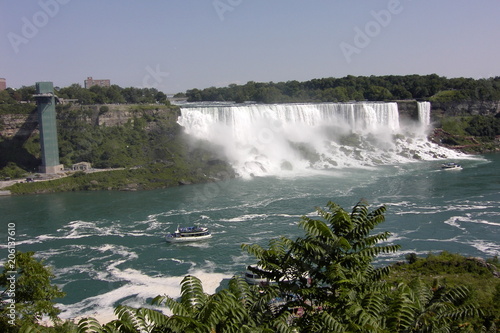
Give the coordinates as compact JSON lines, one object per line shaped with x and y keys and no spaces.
{"x":46,"y":106}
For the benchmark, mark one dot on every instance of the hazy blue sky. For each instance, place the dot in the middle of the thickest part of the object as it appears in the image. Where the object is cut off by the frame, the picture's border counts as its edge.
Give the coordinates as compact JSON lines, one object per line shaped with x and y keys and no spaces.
{"x":175,"y":45}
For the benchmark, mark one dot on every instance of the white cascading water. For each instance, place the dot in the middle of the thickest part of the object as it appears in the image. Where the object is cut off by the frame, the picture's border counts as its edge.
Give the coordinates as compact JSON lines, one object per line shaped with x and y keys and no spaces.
{"x":280,"y":139}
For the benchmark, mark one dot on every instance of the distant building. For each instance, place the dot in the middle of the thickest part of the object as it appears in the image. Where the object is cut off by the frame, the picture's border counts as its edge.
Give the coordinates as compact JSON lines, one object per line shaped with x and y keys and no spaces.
{"x":68,"y":100}
{"x":3,"y":84}
{"x":82,"y":166}
{"x":91,"y":82}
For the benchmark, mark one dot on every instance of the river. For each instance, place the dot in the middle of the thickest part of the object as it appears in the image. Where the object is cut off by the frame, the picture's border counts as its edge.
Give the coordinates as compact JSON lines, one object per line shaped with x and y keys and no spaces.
{"x":107,"y":248}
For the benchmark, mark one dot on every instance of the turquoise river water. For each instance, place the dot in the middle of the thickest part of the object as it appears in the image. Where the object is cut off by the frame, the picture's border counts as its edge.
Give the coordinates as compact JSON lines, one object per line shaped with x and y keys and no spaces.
{"x":107,"y":248}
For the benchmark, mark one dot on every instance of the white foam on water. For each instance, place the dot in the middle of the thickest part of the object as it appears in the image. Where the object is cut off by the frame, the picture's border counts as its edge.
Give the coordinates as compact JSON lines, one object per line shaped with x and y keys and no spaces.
{"x":471,"y":218}
{"x":244,"y":218}
{"x":447,"y":240}
{"x":137,"y":289}
{"x":488,"y":248}
{"x":454,"y":222}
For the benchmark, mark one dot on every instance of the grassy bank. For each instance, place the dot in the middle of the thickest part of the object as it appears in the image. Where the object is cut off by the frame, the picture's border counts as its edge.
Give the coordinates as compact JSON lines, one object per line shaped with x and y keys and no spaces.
{"x":155,"y":175}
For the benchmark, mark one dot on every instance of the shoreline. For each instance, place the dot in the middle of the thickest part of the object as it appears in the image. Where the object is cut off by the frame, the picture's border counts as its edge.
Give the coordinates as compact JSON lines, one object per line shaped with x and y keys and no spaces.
{"x":131,"y":186}
{"x":46,"y":177}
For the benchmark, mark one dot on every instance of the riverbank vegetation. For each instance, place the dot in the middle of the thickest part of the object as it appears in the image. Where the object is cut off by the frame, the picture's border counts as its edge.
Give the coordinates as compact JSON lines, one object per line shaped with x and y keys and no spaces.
{"x":473,"y":134}
{"x":324,"y":281}
{"x":188,"y":169}
{"x":150,"y":146}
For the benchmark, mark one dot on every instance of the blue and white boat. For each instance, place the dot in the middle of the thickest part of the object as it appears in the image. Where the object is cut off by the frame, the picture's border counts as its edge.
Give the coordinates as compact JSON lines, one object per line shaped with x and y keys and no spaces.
{"x":451,"y":166}
{"x":188,"y":234}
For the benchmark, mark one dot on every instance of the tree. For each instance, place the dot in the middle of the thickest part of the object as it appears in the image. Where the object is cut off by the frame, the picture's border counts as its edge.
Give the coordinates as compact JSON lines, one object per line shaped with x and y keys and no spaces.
{"x":31,"y":289}
{"x":377,"y":93}
{"x":330,"y":268}
{"x":330,"y":274}
{"x":485,"y":126}
{"x":5,"y":98}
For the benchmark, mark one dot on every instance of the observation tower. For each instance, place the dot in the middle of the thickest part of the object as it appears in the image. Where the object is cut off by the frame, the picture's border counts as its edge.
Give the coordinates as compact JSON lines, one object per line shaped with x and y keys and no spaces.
{"x":46,"y":107}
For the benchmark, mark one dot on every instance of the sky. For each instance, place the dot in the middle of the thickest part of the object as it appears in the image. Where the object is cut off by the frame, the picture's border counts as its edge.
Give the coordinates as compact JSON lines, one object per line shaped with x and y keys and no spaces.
{"x":175,"y":45}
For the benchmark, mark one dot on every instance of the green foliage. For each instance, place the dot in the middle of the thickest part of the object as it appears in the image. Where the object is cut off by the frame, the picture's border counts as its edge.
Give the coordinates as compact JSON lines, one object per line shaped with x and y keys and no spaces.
{"x":359,"y":88}
{"x":343,"y":292}
{"x":472,"y":134}
{"x":448,"y":96}
{"x":449,"y":263}
{"x":186,"y":169}
{"x":117,"y":146}
{"x":16,"y":108}
{"x":112,"y":95}
{"x":484,"y":126}
{"x":235,"y":309}
{"x":376,"y":93}
{"x":34,"y":294}
{"x":12,"y":170}
{"x":21,"y":153}
{"x":455,"y":125}
{"x":331,"y":267}
{"x":447,"y":271}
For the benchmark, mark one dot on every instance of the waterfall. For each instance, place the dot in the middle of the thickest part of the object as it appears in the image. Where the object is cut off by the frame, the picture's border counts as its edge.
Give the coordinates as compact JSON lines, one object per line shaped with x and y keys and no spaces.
{"x":424,"y":114}
{"x":277,"y":139}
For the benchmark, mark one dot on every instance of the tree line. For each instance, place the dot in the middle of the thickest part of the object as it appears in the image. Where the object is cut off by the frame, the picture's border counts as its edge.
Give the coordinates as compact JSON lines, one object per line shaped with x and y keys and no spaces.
{"x":324,"y":281}
{"x":355,"y":88}
{"x":113,"y":94}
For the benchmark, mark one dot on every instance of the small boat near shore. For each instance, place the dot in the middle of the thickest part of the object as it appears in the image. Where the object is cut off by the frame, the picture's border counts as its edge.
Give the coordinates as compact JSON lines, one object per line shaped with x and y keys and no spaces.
{"x":188,"y":234}
{"x":451,"y":166}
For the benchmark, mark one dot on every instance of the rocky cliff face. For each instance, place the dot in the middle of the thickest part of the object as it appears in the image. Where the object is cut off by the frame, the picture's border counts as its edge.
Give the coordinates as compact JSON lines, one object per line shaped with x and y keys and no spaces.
{"x":18,"y":125}
{"x":118,"y":115}
{"x":408,"y":110}
{"x":22,"y":125}
{"x":440,"y":109}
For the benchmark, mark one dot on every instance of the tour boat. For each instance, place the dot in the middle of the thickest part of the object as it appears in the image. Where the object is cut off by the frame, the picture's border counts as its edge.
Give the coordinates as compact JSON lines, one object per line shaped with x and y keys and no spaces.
{"x":254,"y":278}
{"x":451,"y":166}
{"x":188,"y":234}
